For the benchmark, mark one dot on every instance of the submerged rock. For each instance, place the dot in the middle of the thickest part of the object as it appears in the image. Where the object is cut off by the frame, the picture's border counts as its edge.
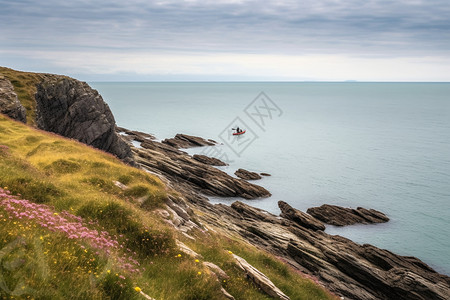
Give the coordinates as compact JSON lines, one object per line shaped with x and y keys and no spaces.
{"x":341,"y":216}
{"x":247,"y":175}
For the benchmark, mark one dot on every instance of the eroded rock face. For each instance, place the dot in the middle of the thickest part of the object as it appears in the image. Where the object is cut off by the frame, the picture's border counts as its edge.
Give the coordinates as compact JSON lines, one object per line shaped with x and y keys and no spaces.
{"x":9,"y":103}
{"x":341,"y":216}
{"x":73,"y":109}
{"x":247,"y":175}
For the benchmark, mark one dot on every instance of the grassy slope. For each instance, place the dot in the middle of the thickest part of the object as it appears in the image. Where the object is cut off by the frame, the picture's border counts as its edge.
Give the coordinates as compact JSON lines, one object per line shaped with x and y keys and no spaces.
{"x":69,"y":176}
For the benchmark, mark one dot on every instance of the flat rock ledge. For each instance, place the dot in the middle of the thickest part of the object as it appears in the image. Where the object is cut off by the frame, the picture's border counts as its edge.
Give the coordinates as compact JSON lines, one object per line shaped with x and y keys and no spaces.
{"x":260,"y":279}
{"x":247,"y":175}
{"x":188,"y":141}
{"x":212,"y":161}
{"x":342,"y":216}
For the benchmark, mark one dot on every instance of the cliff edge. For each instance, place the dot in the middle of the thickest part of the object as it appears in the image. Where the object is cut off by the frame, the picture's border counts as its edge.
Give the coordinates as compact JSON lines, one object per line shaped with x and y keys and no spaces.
{"x":67,"y":107}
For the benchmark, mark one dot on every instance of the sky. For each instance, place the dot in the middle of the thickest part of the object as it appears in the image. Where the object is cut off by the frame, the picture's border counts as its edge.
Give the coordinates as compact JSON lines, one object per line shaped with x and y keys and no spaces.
{"x":228,"y":40}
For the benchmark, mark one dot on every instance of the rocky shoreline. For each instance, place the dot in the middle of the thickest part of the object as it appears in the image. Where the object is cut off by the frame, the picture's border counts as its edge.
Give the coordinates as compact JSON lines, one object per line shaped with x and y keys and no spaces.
{"x":72,"y":109}
{"x":348,"y":269}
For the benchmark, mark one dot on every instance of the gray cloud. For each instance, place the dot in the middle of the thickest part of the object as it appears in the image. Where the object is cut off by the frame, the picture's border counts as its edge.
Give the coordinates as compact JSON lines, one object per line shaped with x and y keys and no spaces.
{"x":361,"y":28}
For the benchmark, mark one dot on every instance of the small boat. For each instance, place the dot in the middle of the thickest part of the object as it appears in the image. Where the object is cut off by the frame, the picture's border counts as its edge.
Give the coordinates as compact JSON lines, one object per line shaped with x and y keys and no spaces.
{"x":239,"y":133}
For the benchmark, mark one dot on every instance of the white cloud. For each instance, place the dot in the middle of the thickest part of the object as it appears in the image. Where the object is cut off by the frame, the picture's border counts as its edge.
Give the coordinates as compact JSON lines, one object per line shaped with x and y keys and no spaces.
{"x":256,"y":66}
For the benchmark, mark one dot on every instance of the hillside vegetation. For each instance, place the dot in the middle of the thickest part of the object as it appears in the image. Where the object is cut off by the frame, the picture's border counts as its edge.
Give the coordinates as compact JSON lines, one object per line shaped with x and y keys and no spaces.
{"x":77,"y":223}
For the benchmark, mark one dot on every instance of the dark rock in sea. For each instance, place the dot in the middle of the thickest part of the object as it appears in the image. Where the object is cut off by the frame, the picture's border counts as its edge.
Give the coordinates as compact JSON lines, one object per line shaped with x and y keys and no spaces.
{"x":265,"y":174}
{"x":188,"y":141}
{"x":299,"y":217}
{"x":212,"y":161}
{"x":341,"y":216}
{"x":247,"y":175}
{"x":9,"y":103}
{"x":73,"y":109}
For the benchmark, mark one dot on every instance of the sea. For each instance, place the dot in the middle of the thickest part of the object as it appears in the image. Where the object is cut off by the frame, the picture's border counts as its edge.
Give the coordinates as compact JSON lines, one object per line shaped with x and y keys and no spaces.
{"x":384,"y":146}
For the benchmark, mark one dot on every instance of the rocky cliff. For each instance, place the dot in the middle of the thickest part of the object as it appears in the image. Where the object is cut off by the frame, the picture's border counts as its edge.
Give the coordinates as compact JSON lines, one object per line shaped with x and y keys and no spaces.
{"x":9,"y":103}
{"x":65,"y":106}
{"x":73,"y":109}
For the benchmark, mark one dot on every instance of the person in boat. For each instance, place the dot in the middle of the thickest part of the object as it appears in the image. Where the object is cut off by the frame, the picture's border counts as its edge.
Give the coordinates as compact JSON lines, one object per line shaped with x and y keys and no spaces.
{"x":238,"y":130}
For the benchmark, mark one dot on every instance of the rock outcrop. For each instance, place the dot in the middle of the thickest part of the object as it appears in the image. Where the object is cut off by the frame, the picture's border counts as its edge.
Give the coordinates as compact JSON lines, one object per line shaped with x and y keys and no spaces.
{"x":73,"y":109}
{"x":189,"y":175}
{"x":212,"y":161}
{"x":299,"y":217}
{"x":247,"y":175}
{"x":261,"y":280}
{"x":188,"y":141}
{"x":341,"y":216}
{"x":9,"y":103}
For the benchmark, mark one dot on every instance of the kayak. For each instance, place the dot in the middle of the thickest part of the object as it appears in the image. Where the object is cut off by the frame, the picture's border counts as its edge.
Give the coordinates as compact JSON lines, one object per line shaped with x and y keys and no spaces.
{"x":239,"y":133}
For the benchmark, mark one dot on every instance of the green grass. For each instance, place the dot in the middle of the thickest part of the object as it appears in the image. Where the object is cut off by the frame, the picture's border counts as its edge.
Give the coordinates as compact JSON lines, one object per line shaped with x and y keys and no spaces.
{"x":69,"y":176}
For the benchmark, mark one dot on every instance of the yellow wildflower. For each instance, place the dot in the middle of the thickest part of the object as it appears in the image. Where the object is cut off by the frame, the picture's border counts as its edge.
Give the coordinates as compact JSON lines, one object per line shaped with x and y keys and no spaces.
{"x":137,"y":289}
{"x":199,"y":273}
{"x":179,"y":255}
{"x":197,"y":261}
{"x":230,"y":252}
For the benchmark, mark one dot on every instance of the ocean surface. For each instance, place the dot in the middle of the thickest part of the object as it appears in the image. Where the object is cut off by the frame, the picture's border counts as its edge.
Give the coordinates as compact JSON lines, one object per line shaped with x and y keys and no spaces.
{"x":377,"y":145}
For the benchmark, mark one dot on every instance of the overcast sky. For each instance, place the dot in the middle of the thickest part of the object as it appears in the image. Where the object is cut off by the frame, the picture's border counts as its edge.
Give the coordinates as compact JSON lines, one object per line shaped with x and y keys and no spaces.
{"x":367,"y":40}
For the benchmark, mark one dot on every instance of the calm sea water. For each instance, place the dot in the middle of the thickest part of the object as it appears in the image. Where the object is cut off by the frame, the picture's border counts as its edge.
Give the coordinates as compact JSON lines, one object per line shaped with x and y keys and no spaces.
{"x":376,"y":145}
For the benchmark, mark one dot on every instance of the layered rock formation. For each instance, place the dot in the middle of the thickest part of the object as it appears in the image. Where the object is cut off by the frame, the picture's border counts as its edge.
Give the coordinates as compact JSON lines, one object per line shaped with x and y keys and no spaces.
{"x":299,"y":217}
{"x":346,"y":268}
{"x":73,"y":109}
{"x":188,"y":141}
{"x":212,"y":161}
{"x":9,"y":103}
{"x":247,"y":175}
{"x":341,"y":216}
{"x":189,"y":175}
